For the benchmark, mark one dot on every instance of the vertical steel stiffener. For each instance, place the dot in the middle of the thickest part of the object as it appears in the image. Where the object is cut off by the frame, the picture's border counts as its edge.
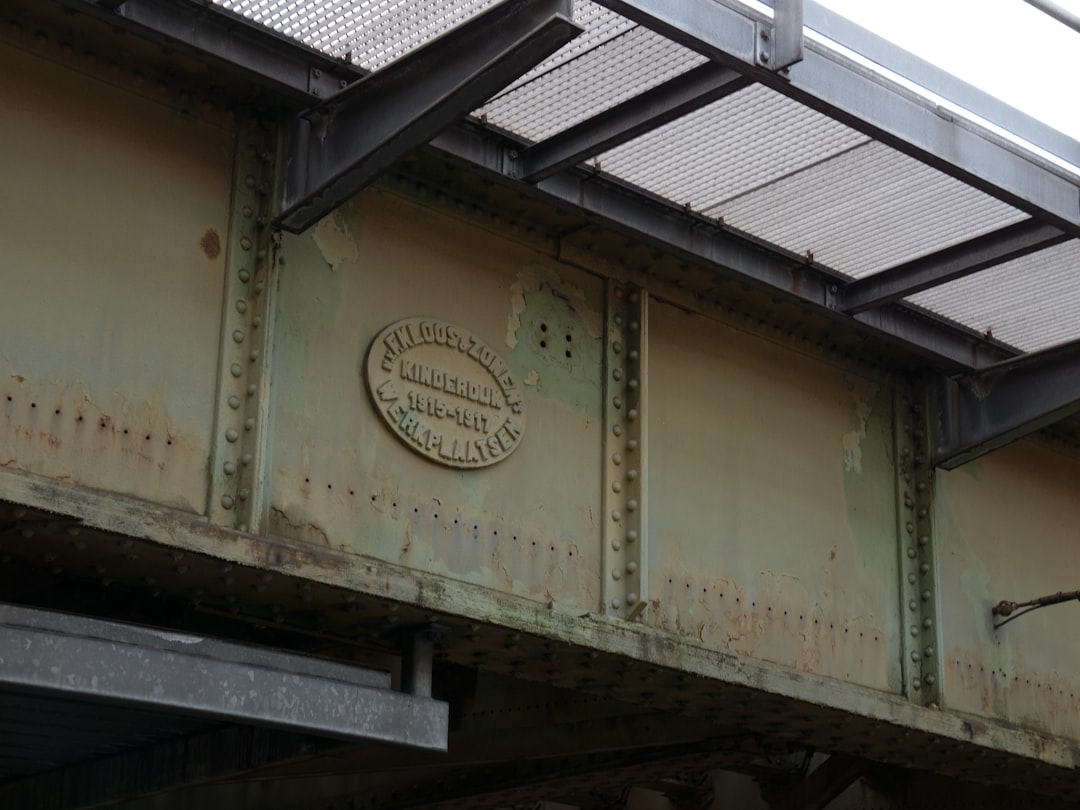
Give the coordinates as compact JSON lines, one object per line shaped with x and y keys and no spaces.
{"x":240,"y":414}
{"x":625,"y":554}
{"x":921,"y":662}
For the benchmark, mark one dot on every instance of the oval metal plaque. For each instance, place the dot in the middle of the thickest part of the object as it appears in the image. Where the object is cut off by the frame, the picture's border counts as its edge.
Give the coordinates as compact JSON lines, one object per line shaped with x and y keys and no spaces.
{"x":445,"y":393}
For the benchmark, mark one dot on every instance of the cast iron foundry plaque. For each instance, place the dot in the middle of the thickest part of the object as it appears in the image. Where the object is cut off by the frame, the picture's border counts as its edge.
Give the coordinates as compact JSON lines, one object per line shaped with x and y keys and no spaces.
{"x":445,"y":393}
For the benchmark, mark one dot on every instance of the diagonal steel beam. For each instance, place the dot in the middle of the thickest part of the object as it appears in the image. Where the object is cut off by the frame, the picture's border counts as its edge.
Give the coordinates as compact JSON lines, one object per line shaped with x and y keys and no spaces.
{"x":341,"y":145}
{"x":831,"y":83}
{"x":624,"y":122}
{"x":949,"y":264}
{"x":983,"y":410}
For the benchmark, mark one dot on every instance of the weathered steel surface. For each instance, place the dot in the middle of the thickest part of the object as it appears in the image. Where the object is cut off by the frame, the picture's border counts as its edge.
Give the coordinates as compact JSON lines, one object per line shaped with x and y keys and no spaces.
{"x":1009,"y":528}
{"x":341,"y":478}
{"x":115,"y":215}
{"x":771,"y":516}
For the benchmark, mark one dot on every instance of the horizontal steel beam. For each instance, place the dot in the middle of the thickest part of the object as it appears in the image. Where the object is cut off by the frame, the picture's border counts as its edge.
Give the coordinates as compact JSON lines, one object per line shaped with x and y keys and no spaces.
{"x":200,"y":27}
{"x":983,"y":410}
{"x":87,"y":659}
{"x":841,"y":88}
{"x":340,"y":146}
{"x":624,"y":122}
{"x":988,"y":250}
{"x":692,"y":237}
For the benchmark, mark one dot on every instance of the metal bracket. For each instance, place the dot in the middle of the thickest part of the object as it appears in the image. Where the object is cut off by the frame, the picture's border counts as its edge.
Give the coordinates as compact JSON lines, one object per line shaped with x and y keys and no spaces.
{"x":340,"y":146}
{"x":625,"y":554}
{"x":780,"y":45}
{"x":921,"y":663}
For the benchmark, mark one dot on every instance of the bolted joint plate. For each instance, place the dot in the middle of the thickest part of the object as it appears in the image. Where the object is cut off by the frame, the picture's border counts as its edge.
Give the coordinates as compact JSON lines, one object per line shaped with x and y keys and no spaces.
{"x":625,"y":557}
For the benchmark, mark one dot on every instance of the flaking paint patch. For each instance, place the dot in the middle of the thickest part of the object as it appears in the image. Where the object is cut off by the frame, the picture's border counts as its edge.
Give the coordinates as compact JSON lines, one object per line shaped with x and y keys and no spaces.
{"x":535,"y":277}
{"x":335,"y":241}
{"x":532,"y":378}
{"x":864,"y":393}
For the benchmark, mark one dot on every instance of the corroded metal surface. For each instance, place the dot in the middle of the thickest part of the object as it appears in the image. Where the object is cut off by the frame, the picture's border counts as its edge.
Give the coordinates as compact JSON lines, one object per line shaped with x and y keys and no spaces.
{"x":1009,"y":525}
{"x":115,"y":218}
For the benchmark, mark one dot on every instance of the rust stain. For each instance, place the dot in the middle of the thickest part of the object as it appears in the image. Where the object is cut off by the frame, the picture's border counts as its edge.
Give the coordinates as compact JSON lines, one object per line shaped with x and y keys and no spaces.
{"x":211,"y":243}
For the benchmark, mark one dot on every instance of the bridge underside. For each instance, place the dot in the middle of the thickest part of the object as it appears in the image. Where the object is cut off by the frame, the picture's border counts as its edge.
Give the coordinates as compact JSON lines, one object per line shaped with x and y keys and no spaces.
{"x":524,"y":484}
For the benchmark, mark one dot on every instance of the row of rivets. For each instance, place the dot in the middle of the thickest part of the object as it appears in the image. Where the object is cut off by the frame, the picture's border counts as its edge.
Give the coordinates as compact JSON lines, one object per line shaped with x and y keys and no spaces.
{"x":917,"y":560}
{"x":247,"y":269}
{"x":624,"y":584}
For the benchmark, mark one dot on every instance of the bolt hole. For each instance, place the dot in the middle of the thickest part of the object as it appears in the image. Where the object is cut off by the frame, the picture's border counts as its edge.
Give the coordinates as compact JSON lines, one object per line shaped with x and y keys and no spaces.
{"x":33,"y":404}
{"x":147,"y":437}
{"x":57,"y":411}
{"x":329,"y":486}
{"x":543,"y":327}
{"x":9,"y":398}
{"x":553,"y":548}
{"x":543,"y":344}
{"x":351,"y":492}
{"x":568,"y":353}
{"x":306,"y":480}
{"x":125,"y":431}
{"x":569,"y":338}
{"x":168,"y":441}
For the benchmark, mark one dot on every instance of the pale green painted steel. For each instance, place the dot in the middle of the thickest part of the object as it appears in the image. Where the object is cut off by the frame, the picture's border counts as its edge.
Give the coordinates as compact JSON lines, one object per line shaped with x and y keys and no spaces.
{"x":774,"y":511}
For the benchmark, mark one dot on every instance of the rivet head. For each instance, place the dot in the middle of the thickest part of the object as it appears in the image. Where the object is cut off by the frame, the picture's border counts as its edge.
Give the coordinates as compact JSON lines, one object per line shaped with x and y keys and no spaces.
{"x":245,"y":243}
{"x":923,"y":539}
{"x":247,"y":211}
{"x":631,"y":475}
{"x":241,"y":305}
{"x":618,"y":319}
{"x":911,"y":579}
{"x":243,"y":494}
{"x":616,"y":573}
{"x":924,"y":568}
{"x":916,"y":684}
{"x":616,"y":544}
{"x":631,"y":598}
{"x":912,"y":605}
{"x":227,"y":501}
{"x":616,"y":374}
{"x":617,"y":402}
{"x":616,"y":458}
{"x":633,"y":326}
{"x":930,"y":680}
{"x":631,"y":384}
{"x":911,"y":552}
{"x":616,"y":515}
{"x":631,"y":444}
{"x":928,"y":652}
{"x":631,"y":414}
{"x":234,"y":402}
{"x":915,"y":655}
{"x":251,"y":389}
{"x":634,"y":354}
{"x":245,"y":459}
{"x":914,"y":630}
{"x":244,"y":275}
{"x":616,"y":486}
{"x":236,"y":370}
{"x":910,"y":527}
{"x":249,"y":423}
{"x":616,"y":347}
{"x":631,"y":536}
{"x":927,"y":623}
{"x":229,"y":468}
{"x":617,"y":430}
{"x":254,"y":355}
{"x":237,"y":336}
{"x":926,"y":596}
{"x":921,"y":486}
{"x":249,"y":181}
{"x":616,"y":603}
{"x":259,"y":287}
{"x":631,"y":505}
{"x":231,"y":435}
{"x":256,"y":322}
{"x":631,"y":567}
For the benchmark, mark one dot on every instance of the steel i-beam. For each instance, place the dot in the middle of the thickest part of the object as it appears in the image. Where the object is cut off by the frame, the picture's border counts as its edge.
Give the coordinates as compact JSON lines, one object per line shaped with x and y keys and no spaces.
{"x":339,"y":146}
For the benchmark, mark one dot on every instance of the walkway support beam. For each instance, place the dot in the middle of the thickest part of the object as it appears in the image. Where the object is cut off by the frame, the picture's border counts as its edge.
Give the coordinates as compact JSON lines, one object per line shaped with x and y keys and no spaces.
{"x":986,"y":409}
{"x":855,"y":95}
{"x":341,"y":145}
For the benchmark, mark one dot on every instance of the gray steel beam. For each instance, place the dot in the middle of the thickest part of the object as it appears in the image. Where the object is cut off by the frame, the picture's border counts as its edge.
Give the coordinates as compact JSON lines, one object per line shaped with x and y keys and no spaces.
{"x":954,"y":262}
{"x":978,"y":102}
{"x":1058,"y":12}
{"x":624,"y":122}
{"x":782,"y":46}
{"x":341,"y":145}
{"x":94,"y":660}
{"x":836,"y":85}
{"x":193,"y":760}
{"x":986,"y":409}
{"x":627,"y":210}
{"x":203,"y":28}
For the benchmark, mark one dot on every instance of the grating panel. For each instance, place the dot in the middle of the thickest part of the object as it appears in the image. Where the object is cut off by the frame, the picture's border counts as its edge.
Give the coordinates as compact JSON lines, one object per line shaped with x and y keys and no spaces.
{"x":1030,"y":303}
{"x":620,"y":68}
{"x":369,"y":34}
{"x":728,"y":148}
{"x":867,"y":209}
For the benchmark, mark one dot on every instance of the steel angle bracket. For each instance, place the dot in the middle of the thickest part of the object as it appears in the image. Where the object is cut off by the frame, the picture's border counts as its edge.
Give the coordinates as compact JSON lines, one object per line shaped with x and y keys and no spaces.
{"x":340,"y":145}
{"x":986,"y":409}
{"x":780,"y":45}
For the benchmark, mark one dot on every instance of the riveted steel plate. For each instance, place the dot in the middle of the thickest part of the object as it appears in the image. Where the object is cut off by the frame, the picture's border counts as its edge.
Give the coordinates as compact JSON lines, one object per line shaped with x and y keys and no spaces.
{"x":445,"y":393}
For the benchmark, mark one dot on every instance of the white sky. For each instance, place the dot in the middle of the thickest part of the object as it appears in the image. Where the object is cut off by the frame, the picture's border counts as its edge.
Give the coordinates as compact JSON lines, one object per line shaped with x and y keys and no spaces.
{"x":1005,"y":47}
